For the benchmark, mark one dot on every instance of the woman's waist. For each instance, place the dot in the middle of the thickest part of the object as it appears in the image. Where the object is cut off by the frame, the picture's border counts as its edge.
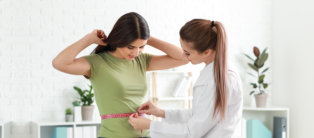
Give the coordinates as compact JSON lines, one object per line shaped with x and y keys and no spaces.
{"x":119,"y":127}
{"x":117,"y":108}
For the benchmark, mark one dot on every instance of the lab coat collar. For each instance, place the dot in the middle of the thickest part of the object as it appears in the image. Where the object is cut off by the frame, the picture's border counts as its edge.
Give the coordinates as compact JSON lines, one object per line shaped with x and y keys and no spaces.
{"x":206,"y":74}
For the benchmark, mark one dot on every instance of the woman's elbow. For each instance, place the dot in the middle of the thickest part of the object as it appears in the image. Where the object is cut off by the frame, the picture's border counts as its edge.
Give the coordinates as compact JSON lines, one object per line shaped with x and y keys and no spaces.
{"x":56,"y":64}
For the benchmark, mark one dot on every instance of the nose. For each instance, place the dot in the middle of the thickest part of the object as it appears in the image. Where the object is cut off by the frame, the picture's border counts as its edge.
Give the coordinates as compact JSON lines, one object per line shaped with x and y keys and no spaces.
{"x":136,"y":51}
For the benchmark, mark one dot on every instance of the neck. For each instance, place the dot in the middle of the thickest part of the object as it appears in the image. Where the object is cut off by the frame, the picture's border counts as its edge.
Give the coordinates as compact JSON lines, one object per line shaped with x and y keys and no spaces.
{"x":210,"y":59}
{"x":208,"y":62}
{"x":115,"y":54}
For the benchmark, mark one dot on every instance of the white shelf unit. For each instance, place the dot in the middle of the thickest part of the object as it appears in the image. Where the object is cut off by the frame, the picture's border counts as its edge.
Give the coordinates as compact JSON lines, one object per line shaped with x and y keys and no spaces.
{"x":5,"y":129}
{"x":45,"y":129}
{"x":162,"y":85}
{"x":266,"y":115}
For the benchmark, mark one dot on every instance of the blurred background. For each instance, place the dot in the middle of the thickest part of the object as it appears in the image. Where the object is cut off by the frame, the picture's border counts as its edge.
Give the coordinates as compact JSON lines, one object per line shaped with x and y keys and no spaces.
{"x":33,"y":32}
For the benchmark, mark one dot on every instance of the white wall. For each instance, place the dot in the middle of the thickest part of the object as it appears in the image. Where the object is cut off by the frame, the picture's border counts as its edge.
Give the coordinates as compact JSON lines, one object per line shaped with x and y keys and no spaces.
{"x":33,"y":32}
{"x":293,"y":63}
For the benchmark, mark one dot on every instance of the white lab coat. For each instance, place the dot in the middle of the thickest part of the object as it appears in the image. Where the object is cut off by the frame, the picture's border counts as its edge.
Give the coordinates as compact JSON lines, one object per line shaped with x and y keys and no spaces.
{"x":198,"y":122}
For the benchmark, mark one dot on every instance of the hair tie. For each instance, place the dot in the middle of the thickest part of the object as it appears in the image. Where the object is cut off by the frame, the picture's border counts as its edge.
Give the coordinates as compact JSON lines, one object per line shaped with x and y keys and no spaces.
{"x":213,"y":23}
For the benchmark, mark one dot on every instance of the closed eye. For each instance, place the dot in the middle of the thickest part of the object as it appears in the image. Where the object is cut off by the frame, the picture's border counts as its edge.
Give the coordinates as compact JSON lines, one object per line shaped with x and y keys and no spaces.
{"x":130,"y":47}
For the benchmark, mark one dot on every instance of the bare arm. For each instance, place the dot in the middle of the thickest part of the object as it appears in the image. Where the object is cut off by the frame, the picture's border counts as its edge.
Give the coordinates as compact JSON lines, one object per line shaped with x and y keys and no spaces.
{"x":175,"y":56}
{"x":67,"y":62}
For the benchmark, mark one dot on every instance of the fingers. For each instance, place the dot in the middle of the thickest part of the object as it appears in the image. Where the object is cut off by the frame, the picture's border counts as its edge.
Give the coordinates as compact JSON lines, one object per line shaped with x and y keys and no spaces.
{"x":148,"y":112}
{"x":102,"y":43}
{"x":101,"y":34}
{"x":145,"y":106}
{"x":132,"y":116}
{"x":144,"y":112}
{"x":131,"y":119}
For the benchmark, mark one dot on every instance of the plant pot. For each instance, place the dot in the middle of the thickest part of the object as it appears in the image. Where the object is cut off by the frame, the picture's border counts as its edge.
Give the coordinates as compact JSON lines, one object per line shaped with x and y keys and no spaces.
{"x":261,"y":99}
{"x":77,"y":113}
{"x":68,"y":118}
{"x":87,"y":113}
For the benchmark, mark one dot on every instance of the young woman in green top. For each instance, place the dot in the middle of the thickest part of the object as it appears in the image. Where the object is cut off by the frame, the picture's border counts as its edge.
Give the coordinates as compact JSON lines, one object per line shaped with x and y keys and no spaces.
{"x":117,"y":69}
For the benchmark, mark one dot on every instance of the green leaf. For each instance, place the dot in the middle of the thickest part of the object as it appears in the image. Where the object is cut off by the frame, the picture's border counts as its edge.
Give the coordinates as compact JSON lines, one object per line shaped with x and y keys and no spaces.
{"x":255,"y":63}
{"x":68,"y":111}
{"x":76,"y":103}
{"x":265,"y":85}
{"x":252,"y":92}
{"x":253,"y":67}
{"x":265,"y":70}
{"x":86,"y":96}
{"x":262,"y":60}
{"x":264,"y":51}
{"x":252,"y":74}
{"x":248,"y":57}
{"x":254,"y":85}
{"x":261,"y":78}
{"x":77,"y":89}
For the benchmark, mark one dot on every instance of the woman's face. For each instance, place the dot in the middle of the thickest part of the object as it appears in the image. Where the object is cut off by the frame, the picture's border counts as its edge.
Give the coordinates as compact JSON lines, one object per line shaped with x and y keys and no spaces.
{"x":132,"y":50}
{"x":194,"y":56}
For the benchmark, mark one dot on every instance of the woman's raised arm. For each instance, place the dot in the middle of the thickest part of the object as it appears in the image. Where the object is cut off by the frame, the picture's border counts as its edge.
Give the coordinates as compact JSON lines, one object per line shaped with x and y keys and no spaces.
{"x":67,"y":62}
{"x":175,"y":56}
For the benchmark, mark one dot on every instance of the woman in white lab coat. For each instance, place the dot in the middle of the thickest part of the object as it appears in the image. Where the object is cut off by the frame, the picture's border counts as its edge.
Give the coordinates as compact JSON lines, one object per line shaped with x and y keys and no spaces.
{"x":217,"y":95}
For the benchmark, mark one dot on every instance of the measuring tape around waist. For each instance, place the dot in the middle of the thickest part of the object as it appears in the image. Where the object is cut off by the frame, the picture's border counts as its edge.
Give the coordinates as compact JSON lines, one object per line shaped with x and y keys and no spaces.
{"x":122,"y":115}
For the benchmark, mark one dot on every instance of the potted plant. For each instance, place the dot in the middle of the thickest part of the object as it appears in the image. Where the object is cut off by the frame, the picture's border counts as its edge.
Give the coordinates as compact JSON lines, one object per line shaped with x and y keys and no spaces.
{"x":77,"y":110}
{"x":259,"y":86}
{"x":87,"y":99}
{"x":68,"y":115}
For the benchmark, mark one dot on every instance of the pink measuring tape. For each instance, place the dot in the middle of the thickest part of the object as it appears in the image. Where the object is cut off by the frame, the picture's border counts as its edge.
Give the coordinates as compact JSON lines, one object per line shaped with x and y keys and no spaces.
{"x":122,"y":115}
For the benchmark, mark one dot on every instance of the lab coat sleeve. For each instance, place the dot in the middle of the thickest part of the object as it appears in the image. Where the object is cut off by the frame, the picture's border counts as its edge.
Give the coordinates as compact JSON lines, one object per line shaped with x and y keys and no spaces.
{"x":200,"y":123}
{"x":176,"y":116}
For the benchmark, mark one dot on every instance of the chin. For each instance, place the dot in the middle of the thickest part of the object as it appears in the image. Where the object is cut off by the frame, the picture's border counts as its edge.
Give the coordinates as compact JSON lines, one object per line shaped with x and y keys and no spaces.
{"x":130,"y":58}
{"x":195,"y":62}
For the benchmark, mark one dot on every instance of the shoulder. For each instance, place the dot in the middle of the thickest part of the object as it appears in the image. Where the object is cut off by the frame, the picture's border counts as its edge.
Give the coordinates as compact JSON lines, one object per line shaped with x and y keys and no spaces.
{"x":94,"y":61}
{"x":92,"y":58}
{"x":234,"y":84}
{"x":233,"y":75}
{"x":144,"y":56}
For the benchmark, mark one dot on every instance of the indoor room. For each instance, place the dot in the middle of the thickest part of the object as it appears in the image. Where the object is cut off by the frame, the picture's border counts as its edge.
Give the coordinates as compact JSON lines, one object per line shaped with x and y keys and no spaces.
{"x":156,"y":68}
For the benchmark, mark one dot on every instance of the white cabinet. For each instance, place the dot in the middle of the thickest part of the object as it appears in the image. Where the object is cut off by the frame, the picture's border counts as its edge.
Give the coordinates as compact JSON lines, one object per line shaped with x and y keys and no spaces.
{"x":266,"y":115}
{"x":163,"y":89}
{"x":5,"y":129}
{"x":1,"y":129}
{"x":45,"y":129}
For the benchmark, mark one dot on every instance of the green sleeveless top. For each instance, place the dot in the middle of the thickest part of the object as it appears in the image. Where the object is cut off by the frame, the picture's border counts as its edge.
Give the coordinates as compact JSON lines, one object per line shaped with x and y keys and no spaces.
{"x":120,"y":87}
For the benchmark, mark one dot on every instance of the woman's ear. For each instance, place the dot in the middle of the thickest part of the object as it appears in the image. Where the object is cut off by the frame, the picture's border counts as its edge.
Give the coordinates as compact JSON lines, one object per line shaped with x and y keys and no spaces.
{"x":208,"y":52}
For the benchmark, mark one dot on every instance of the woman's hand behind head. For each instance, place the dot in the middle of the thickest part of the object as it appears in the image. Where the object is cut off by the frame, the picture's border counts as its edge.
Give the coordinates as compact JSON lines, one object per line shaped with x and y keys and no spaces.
{"x":98,"y":37}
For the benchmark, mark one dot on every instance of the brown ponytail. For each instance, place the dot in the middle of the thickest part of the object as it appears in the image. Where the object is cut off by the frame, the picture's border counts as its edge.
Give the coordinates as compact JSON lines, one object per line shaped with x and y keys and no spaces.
{"x":206,"y":34}
{"x":220,"y":69}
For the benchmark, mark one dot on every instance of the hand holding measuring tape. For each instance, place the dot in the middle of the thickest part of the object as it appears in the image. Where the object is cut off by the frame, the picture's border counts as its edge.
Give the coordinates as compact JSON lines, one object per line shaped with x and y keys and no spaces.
{"x":139,"y":122}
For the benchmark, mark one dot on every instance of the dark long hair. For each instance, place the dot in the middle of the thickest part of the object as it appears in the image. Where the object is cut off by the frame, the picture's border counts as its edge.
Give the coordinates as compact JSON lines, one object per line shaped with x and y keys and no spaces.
{"x":128,"y":28}
{"x":206,"y":34}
